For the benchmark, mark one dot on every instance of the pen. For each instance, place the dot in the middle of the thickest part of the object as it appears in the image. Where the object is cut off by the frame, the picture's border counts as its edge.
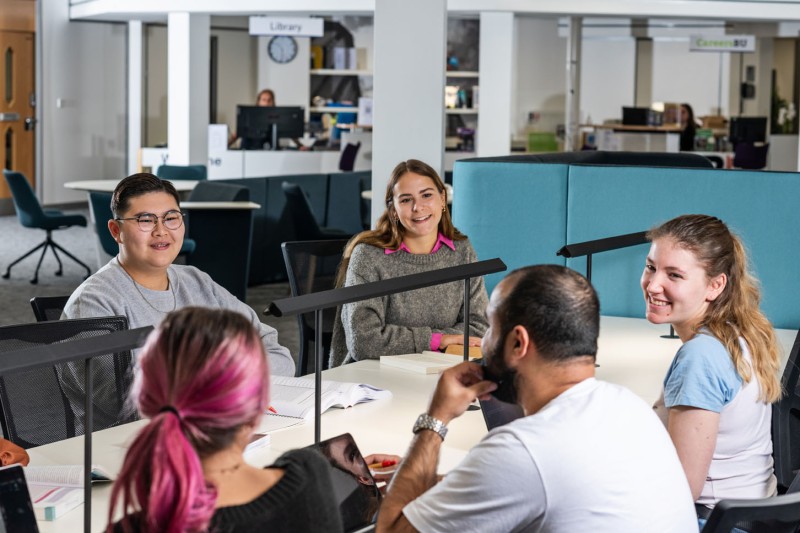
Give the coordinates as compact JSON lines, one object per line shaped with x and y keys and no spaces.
{"x":383,"y":464}
{"x":272,"y":410}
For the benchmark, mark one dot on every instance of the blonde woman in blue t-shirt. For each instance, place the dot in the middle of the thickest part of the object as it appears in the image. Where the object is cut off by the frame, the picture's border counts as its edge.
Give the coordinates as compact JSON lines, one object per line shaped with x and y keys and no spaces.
{"x":718,"y":389}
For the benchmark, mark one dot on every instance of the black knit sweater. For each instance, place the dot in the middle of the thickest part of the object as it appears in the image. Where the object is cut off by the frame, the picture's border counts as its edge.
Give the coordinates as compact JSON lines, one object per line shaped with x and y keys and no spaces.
{"x":302,"y":500}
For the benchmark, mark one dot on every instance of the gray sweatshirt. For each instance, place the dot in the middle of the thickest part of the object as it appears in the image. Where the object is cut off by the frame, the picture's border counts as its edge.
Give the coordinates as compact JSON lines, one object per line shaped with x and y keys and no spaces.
{"x":111,"y":291}
{"x":404,"y":322}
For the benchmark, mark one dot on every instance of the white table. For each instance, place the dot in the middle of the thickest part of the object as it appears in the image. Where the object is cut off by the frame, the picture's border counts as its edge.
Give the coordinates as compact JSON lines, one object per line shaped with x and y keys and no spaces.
{"x":630,"y":352}
{"x":110,"y":185}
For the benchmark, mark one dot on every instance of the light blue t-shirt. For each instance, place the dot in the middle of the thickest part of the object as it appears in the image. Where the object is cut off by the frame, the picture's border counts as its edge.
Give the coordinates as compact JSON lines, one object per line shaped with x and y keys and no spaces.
{"x":702,"y":375}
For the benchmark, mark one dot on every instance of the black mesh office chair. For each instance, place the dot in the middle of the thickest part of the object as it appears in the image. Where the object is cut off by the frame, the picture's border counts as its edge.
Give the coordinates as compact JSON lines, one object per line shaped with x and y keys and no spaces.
{"x":311,"y":267}
{"x":305,"y":224}
{"x":750,"y":155}
{"x":786,"y":422}
{"x":46,"y":404}
{"x":48,"y":307}
{"x":780,"y":514}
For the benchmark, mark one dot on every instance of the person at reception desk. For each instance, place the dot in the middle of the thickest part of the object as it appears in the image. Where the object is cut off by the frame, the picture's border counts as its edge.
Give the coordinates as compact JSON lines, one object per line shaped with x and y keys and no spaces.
{"x":142,"y":283}
{"x":718,"y":389}
{"x":414,"y":234}
{"x":204,"y":384}
{"x":689,"y":128}
{"x":266,"y":98}
{"x":586,"y":456}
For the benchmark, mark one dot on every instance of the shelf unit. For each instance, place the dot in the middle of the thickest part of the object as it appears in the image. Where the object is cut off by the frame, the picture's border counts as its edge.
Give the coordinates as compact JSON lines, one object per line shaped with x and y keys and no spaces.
{"x":339,"y":72}
{"x":462,"y":73}
{"x":331,"y":109}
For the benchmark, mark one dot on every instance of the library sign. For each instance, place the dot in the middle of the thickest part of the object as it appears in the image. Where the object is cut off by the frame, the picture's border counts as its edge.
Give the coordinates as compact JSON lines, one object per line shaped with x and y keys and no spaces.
{"x":298,"y":27}
{"x":722,"y":43}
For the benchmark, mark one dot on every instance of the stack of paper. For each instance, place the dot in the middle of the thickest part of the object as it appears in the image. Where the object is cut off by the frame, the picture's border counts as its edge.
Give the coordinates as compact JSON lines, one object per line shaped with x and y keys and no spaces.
{"x":422,"y":363}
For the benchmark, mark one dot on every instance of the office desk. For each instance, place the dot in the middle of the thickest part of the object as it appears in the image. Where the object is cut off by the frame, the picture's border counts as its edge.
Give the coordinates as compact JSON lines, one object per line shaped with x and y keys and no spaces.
{"x":630,"y":353}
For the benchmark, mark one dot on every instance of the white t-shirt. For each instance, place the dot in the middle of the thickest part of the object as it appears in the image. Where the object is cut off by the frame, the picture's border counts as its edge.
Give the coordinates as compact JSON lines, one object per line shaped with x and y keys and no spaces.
{"x":702,"y":375}
{"x":596,"y":458}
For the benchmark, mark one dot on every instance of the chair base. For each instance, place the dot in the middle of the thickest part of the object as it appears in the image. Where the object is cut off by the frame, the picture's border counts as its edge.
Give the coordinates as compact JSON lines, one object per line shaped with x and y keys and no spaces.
{"x":48,"y":243}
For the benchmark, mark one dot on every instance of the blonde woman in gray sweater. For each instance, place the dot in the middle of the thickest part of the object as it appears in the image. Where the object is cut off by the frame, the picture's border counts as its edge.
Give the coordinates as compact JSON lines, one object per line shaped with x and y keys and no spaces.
{"x":414,"y":234}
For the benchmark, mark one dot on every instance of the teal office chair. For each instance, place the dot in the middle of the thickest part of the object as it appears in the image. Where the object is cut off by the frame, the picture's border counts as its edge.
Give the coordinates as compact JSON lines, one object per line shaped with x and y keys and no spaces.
{"x":31,"y":215}
{"x":101,"y":207}
{"x":178,"y":172}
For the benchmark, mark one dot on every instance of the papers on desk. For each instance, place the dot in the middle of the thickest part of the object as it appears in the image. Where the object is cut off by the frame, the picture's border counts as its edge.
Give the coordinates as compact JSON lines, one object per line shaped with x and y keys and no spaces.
{"x":294,"y":397}
{"x":422,"y":363}
{"x":58,"y":489}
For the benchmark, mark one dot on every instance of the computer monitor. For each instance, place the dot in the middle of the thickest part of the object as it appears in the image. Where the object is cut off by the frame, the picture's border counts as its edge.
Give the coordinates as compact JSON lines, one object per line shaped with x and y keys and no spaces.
{"x":257,"y":125}
{"x":748,"y":130}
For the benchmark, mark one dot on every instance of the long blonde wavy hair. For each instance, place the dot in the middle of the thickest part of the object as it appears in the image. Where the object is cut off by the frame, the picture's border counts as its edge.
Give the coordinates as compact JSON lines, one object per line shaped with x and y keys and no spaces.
{"x":389,"y":232}
{"x":735,"y":312}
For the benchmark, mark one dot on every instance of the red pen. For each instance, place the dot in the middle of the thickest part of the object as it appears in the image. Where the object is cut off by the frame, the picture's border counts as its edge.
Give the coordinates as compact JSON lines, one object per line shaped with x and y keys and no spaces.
{"x":272,"y":410}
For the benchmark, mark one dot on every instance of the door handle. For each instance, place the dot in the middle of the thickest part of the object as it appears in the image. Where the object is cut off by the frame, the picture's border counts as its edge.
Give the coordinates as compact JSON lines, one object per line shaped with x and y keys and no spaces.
{"x":9,"y":117}
{"x":30,"y":123}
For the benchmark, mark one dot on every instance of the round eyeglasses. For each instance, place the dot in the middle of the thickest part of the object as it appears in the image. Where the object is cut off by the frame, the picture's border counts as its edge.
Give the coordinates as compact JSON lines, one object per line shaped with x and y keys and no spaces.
{"x":147,"y":221}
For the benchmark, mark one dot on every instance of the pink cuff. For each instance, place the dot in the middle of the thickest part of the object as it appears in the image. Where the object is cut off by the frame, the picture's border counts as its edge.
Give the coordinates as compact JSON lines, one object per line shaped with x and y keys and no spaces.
{"x":436,"y":340}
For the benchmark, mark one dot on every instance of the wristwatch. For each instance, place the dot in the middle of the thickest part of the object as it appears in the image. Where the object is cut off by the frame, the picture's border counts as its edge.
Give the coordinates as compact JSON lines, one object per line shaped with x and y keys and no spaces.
{"x":425,"y":421}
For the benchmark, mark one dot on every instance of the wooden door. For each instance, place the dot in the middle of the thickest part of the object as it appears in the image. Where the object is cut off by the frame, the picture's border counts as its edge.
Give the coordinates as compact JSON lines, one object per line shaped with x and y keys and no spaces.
{"x":16,"y":105}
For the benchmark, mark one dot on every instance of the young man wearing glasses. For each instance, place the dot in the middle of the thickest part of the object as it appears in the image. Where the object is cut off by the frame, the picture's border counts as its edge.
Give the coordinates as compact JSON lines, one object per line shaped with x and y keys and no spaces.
{"x":143,"y":284}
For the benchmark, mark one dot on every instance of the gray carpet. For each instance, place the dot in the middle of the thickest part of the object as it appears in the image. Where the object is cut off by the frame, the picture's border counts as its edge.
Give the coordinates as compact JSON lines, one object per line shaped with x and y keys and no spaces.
{"x":16,"y":292}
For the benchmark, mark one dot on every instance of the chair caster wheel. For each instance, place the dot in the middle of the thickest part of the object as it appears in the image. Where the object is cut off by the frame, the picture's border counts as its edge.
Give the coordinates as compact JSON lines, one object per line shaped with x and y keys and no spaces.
{"x":59,"y":273}
{"x":6,"y":275}
{"x":34,"y":281}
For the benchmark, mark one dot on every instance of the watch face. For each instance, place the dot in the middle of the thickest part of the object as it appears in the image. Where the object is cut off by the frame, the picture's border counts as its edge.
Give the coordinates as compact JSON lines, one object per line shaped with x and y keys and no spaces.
{"x":282,"y":48}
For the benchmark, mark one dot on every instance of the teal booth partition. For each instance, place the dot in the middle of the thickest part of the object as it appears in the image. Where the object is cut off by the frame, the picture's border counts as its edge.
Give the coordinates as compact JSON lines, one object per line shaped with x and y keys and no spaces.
{"x":523,"y":212}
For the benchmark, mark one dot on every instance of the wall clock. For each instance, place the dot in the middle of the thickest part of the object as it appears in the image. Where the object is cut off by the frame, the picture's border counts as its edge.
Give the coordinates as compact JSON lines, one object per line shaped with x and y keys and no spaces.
{"x":282,"y":48}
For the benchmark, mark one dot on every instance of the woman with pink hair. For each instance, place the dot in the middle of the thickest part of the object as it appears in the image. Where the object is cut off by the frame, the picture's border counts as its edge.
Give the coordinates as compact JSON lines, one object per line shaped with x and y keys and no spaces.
{"x":203,"y":382}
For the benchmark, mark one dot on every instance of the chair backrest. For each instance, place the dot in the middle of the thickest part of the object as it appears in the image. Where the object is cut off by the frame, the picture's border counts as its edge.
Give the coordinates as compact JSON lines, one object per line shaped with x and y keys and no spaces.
{"x":347,"y":161}
{"x":29,"y":210}
{"x":750,"y":156}
{"x":786,"y":421}
{"x":211,"y":191}
{"x":181,"y":172}
{"x":47,"y":308}
{"x":47,"y":404}
{"x":311,"y":267}
{"x":779,"y":514}
{"x":101,"y":207}
{"x":299,"y":209}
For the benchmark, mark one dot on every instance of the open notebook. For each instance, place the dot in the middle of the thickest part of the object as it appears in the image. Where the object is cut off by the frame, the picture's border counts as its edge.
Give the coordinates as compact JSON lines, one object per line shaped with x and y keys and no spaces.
{"x":294,"y":397}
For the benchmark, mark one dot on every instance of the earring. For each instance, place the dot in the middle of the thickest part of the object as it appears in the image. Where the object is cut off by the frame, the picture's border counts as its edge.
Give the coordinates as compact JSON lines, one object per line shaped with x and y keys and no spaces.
{"x":444,"y":208}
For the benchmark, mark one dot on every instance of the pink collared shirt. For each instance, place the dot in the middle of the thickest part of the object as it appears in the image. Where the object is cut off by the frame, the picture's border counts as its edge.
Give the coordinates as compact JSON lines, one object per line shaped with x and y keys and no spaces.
{"x":440,"y":240}
{"x":436,"y":338}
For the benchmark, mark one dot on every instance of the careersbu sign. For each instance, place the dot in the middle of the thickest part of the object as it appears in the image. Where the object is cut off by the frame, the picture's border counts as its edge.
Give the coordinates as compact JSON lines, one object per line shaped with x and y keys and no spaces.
{"x":722,"y":43}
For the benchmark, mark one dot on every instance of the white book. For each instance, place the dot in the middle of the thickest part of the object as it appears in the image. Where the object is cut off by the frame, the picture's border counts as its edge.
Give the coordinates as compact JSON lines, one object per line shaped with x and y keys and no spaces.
{"x":294,"y":397}
{"x":59,"y":488}
{"x":422,"y":363}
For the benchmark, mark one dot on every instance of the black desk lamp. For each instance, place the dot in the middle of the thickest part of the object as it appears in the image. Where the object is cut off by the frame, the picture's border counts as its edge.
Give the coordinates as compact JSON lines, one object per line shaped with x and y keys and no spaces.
{"x":318,"y":301}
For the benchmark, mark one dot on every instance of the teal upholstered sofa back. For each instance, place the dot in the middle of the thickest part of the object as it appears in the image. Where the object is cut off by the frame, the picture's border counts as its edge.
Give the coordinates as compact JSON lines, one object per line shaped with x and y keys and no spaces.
{"x":524,"y":212}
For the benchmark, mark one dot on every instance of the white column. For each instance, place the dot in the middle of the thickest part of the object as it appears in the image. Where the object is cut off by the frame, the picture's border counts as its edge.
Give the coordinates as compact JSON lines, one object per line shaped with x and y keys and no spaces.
{"x":573,"y":104}
{"x":497,"y":61}
{"x":187,"y":93}
{"x":409,"y":79}
{"x":134,"y":94}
